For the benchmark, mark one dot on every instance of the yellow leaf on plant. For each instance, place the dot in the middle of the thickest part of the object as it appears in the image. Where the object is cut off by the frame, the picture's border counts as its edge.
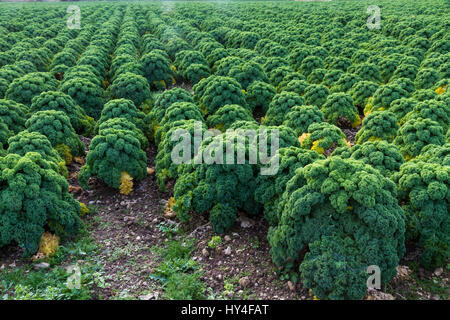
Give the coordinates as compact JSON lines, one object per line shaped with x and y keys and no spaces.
{"x":168,"y":212}
{"x":347,"y":143}
{"x":303,"y":137}
{"x":48,"y":245}
{"x":315,"y":147}
{"x":440,"y":90}
{"x":373,"y":138}
{"x":150,"y":170}
{"x":356,"y":122}
{"x":126,"y":184}
{"x":64,"y":152}
{"x":155,"y":128}
{"x":84,"y":209}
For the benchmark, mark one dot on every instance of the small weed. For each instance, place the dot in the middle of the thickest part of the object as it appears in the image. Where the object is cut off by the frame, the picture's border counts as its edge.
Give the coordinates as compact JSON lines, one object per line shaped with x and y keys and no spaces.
{"x":215,"y":242}
{"x":178,"y":272}
{"x":169,"y":229}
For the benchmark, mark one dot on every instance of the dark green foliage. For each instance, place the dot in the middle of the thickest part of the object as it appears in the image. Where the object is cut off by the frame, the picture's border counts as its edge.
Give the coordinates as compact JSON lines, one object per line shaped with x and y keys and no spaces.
{"x":277,"y":75}
{"x":112,"y":152}
{"x":383,"y":156}
{"x":424,"y":94}
{"x":196,"y":72}
{"x":426,"y":78}
{"x":223,"y":66}
{"x":125,"y":109}
{"x":124,"y":124}
{"x":5,"y":134}
{"x":288,"y":78}
{"x":166,"y":168}
{"x":201,"y":187}
{"x":323,"y":137}
{"x":68,"y":57}
{"x":436,"y":154}
{"x":23,"y":89}
{"x":222,"y":216}
{"x":56,"y":126}
{"x":225,"y":116}
{"x":368,"y":72}
{"x":345,"y":82}
{"x":423,"y":188}
{"x":405,"y":84}
{"x":406,"y":71}
{"x":338,"y":63}
{"x":402,"y":106}
{"x":379,"y":125}
{"x":384,"y":96}
{"x":83,"y":72}
{"x":86,"y":94}
{"x":157,"y":70}
{"x":301,"y":117}
{"x":297,"y":56}
{"x":362,"y":91}
{"x":25,"y":142}
{"x":297,"y":86}
{"x":220,"y":92}
{"x":13,"y":115}
{"x":177,"y":111}
{"x":271,"y":187}
{"x":438,"y":111}
{"x":4,"y":84}
{"x":347,"y":213}
{"x":130,"y":86}
{"x":281,"y":104}
{"x":309,"y":64}
{"x":387,"y":68}
{"x":316,"y":94}
{"x":39,"y":59}
{"x":417,"y":133}
{"x":162,"y":102}
{"x":216,"y":55}
{"x":273,"y":63}
{"x":247,"y":73}
{"x":40,"y":199}
{"x":59,"y":101}
{"x":259,"y":95}
{"x":338,"y":109}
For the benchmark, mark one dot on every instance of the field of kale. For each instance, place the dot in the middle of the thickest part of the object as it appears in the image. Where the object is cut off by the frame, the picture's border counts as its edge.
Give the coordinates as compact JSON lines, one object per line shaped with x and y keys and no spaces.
{"x":118,"y":120}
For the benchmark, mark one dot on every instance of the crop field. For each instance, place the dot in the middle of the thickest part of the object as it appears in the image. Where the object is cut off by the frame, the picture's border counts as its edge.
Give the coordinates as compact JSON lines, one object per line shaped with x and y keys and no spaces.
{"x":193,"y":150}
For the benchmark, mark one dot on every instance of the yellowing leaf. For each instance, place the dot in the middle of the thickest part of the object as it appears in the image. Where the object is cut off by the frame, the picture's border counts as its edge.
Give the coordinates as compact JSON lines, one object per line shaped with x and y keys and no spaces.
{"x":440,"y":90}
{"x":315,"y":147}
{"x":126,"y":183}
{"x":48,"y":245}
{"x":356,"y":122}
{"x":303,"y":137}
{"x":84,"y":209}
